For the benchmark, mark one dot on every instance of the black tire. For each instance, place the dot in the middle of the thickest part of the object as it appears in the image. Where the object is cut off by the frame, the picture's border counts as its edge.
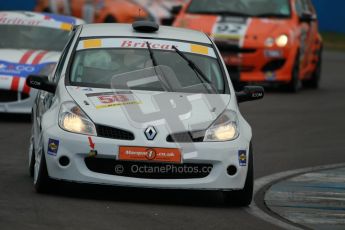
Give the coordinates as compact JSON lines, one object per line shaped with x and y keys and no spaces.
{"x":110,"y":19}
{"x":43,"y":182}
{"x":244,"y":196}
{"x":32,"y":161}
{"x":294,"y":84}
{"x":314,"y":81}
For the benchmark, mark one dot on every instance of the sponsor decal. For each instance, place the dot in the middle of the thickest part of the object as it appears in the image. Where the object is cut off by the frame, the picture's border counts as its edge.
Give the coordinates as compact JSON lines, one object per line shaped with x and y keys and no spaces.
{"x":230,"y":32}
{"x":273,"y":53}
{"x":93,"y":43}
{"x":230,"y":28}
{"x":242,"y":157}
{"x":199,"y":49}
{"x":136,"y":43}
{"x":10,"y":20}
{"x":143,"y":44}
{"x":60,"y":18}
{"x":169,"y":155}
{"x":270,"y":76}
{"x":110,"y":99}
{"x":18,"y":21}
{"x":53,"y":147}
{"x":20,"y":70}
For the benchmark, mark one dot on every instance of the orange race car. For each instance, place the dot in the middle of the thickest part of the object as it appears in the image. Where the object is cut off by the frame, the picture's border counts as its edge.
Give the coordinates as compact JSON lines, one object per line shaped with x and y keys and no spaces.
{"x":124,"y":11}
{"x":261,"y":41}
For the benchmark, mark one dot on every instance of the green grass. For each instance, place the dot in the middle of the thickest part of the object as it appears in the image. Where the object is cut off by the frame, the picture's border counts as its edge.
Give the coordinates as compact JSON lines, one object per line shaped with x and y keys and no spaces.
{"x":334,"y":41}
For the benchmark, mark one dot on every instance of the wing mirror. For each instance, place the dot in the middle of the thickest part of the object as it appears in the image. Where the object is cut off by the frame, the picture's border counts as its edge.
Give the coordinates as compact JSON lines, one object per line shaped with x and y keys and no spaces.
{"x":307,"y":17}
{"x":41,"y":82}
{"x":250,"y":93}
{"x":175,"y":10}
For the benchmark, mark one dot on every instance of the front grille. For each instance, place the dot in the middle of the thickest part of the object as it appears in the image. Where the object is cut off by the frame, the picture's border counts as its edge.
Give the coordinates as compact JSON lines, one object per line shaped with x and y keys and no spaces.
{"x":185,"y":137}
{"x":274,"y":65}
{"x":242,"y":68}
{"x":24,"y":96}
{"x":12,"y":96}
{"x":147,"y":170}
{"x":226,"y":48}
{"x":114,"y":133}
{"x":8,"y":96}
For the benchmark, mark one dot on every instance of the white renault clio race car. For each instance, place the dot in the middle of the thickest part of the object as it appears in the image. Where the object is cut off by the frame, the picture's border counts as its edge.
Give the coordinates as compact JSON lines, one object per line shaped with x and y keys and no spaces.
{"x":30,"y":43}
{"x":142,"y":106}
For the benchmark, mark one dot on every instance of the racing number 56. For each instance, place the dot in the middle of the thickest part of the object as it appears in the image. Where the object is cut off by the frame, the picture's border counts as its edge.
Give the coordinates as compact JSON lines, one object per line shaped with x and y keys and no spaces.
{"x":107,"y":99}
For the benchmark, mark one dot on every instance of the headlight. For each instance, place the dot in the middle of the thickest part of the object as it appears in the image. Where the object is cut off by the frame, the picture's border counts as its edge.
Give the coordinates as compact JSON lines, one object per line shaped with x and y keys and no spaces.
{"x":282,"y":40}
{"x":224,"y":128}
{"x":73,"y":119}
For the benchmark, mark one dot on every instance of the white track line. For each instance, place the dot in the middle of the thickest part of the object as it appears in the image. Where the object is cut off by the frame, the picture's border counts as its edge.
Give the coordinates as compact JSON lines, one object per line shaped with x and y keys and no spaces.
{"x":260,"y":183}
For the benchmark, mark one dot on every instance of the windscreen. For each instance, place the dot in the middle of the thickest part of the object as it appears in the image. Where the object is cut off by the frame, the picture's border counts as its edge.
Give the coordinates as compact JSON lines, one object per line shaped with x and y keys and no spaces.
{"x":32,"y":37}
{"x":127,"y":64}
{"x":252,"y":8}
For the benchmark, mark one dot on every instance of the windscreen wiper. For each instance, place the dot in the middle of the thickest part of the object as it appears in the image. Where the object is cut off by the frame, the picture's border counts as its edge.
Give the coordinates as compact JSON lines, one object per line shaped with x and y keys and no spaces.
{"x":152,"y":56}
{"x":155,"y":64}
{"x":233,"y":13}
{"x":271,"y":15}
{"x":224,"y":13}
{"x":196,"y":68}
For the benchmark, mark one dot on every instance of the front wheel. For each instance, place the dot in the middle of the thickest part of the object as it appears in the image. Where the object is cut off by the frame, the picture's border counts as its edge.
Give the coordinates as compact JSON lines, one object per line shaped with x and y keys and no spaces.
{"x":31,"y":158}
{"x":244,"y":196}
{"x":42,"y":182}
{"x":314,"y":81}
{"x":294,"y":84}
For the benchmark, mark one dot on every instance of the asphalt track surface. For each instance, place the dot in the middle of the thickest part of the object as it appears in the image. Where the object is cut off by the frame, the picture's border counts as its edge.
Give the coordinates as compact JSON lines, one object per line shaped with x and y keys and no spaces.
{"x":290,"y":132}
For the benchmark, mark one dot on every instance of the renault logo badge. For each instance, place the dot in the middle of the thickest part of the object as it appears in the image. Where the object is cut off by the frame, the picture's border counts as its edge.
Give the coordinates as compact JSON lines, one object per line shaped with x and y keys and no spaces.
{"x":150,"y":133}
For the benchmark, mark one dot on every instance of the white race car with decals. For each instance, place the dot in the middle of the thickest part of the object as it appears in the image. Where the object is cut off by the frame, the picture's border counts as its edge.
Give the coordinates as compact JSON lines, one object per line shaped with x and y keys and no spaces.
{"x":146,"y":106}
{"x":30,"y":44}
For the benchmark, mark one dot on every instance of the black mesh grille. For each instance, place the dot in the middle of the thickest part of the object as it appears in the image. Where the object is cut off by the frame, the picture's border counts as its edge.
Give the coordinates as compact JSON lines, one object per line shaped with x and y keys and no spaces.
{"x":114,"y":133}
{"x":24,"y":96}
{"x":8,"y":96}
{"x":237,"y":69}
{"x":148,"y":170}
{"x":226,"y":48}
{"x":12,"y":96}
{"x":185,"y":137}
{"x":274,"y":65}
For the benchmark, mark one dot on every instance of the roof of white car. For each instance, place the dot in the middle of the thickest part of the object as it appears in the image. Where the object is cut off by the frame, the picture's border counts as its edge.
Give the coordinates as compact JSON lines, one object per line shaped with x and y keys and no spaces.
{"x":126,"y":30}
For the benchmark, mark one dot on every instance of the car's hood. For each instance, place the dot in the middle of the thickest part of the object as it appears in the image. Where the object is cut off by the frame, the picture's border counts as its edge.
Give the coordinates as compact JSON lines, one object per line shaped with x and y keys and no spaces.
{"x":234,"y":28}
{"x":16,"y":65}
{"x":177,"y":111}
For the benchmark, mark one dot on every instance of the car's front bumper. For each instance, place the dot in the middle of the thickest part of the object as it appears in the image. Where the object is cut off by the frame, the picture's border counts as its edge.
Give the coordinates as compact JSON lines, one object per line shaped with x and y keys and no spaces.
{"x":260,"y":64}
{"x":76,"y":148}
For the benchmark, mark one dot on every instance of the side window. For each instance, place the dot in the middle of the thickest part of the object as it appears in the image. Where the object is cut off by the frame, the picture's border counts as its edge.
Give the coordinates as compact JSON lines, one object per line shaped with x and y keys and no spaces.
{"x":310,"y":6}
{"x":299,"y":7}
{"x":306,"y":6}
{"x":63,"y":57}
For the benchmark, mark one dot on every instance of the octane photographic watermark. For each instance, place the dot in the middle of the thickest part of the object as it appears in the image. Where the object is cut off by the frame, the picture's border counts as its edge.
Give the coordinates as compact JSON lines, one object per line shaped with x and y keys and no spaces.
{"x":171,"y":110}
{"x":162,"y":169}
